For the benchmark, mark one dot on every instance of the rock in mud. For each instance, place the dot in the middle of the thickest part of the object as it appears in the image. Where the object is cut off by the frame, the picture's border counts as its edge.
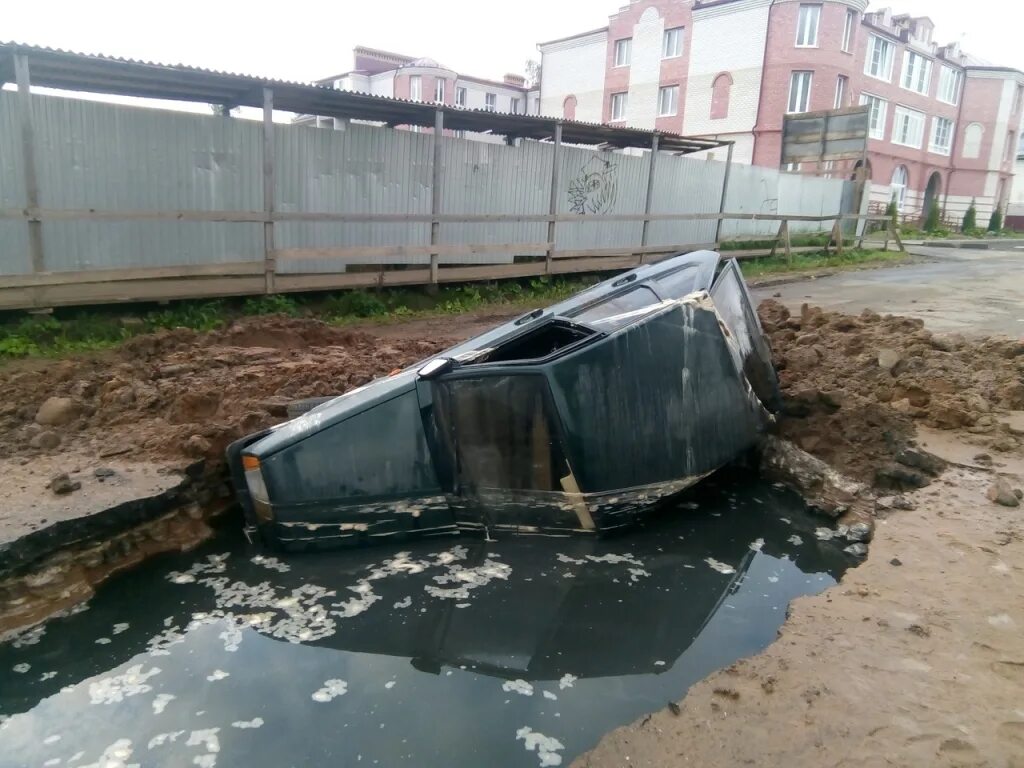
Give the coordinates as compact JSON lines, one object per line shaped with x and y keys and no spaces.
{"x":102,"y":473}
{"x":62,"y":484}
{"x":56,"y":411}
{"x":196,"y":446}
{"x":888,"y":359}
{"x":859,"y":532}
{"x":922,"y":460}
{"x":900,"y":478}
{"x":825,"y":490}
{"x":46,"y":440}
{"x":857,"y":550}
{"x":1003,"y":493}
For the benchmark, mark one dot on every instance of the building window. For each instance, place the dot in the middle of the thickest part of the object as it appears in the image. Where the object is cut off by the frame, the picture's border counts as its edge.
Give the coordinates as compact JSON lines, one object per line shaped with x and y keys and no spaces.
{"x":848,"y":27}
{"x":900,"y":179}
{"x":460,"y":97}
{"x":799,"y":92}
{"x":415,"y":88}
{"x":949,"y":85}
{"x":668,"y":101}
{"x":623,"y":50}
{"x":439,"y":91}
{"x":917,"y":73}
{"x":841,"y":85}
{"x":514,"y":106}
{"x":908,"y":127}
{"x":972,"y":141}
{"x":879,"y":59}
{"x":491,"y":102}
{"x":619,"y":106}
{"x":876,"y":115}
{"x":807,"y":26}
{"x":942,"y":136}
{"x":720,"y":91}
{"x":672,"y":43}
{"x":569,"y":108}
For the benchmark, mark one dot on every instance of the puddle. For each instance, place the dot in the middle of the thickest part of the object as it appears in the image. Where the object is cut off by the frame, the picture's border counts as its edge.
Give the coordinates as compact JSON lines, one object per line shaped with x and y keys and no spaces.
{"x":454,"y":651}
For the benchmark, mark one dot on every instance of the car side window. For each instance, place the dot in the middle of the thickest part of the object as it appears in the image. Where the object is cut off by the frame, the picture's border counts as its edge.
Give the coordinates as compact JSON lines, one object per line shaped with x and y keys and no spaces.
{"x":635,"y":299}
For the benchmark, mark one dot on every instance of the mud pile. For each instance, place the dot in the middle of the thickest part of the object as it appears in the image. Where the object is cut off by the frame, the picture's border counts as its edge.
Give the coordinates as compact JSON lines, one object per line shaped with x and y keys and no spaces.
{"x":181,"y":394}
{"x":855,"y":387}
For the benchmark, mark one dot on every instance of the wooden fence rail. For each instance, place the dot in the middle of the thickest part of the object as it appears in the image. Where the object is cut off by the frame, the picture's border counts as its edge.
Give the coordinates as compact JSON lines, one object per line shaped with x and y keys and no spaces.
{"x":365,"y":265}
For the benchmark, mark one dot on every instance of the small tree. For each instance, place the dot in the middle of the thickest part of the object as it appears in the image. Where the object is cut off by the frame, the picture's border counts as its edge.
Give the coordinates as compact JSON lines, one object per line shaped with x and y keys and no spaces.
{"x":995,"y":223}
{"x":970,"y":221}
{"x":934,"y":219}
{"x":893,"y":212}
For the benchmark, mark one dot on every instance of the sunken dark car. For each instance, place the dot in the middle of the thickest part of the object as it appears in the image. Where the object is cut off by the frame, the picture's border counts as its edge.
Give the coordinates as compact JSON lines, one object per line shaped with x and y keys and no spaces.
{"x":579,"y":417}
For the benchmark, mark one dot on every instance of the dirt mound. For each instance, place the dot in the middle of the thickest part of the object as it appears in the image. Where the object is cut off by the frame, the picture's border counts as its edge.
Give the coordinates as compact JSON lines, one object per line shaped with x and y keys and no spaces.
{"x":181,"y":394}
{"x":855,"y":386}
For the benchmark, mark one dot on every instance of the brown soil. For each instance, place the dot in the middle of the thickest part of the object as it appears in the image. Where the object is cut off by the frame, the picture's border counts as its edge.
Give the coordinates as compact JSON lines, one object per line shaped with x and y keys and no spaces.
{"x":181,"y":395}
{"x":855,"y":389}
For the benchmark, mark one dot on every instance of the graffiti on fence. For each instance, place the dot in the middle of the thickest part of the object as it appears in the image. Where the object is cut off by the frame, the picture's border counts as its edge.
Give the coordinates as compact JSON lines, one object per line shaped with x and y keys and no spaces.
{"x":593,"y":190}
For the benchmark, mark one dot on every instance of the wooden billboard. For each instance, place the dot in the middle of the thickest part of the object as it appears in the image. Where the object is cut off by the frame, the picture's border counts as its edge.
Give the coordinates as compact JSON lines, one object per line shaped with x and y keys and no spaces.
{"x":827,"y":136}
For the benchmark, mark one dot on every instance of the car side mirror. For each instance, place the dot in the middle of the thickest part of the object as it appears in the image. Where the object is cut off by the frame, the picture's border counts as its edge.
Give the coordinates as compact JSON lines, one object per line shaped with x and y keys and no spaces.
{"x":436,"y":367}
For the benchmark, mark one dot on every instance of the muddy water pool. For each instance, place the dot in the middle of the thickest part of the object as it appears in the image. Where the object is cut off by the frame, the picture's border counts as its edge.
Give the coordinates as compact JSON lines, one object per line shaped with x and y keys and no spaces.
{"x":452,"y":651}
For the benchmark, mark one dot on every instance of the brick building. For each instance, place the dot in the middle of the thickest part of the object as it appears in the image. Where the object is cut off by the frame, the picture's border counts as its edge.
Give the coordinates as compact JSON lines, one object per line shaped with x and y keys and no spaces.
{"x":944,"y":125}
{"x":421,"y":79}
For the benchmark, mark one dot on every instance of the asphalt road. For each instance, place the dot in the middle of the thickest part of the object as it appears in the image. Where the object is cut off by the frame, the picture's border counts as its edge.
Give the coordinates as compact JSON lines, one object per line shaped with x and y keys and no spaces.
{"x":952,"y":290}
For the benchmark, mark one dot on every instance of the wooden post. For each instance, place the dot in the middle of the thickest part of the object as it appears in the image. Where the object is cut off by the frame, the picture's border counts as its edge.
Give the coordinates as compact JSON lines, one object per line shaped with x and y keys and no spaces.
{"x":837,"y":235}
{"x":896,"y":236}
{"x":650,"y":193}
{"x":269,"y":262}
{"x":556,"y":171}
{"x":786,"y":242}
{"x":28,"y":153}
{"x":725,"y":190}
{"x":778,"y":236}
{"x":435,"y":194}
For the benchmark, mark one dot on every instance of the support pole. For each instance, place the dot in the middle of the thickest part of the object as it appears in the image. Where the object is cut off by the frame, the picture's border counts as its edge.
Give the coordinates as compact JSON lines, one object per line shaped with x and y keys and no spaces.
{"x":435,"y":194}
{"x":556,"y":170}
{"x":896,"y":236}
{"x":786,"y":242}
{"x":269,"y":260}
{"x":650,"y":193}
{"x":778,"y":236}
{"x":28,"y":153}
{"x":725,"y":191}
{"x":837,"y":236}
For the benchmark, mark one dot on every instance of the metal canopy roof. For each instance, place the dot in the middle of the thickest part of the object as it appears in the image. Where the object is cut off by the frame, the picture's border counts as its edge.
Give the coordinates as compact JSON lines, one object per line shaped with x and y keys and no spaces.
{"x":125,"y":77}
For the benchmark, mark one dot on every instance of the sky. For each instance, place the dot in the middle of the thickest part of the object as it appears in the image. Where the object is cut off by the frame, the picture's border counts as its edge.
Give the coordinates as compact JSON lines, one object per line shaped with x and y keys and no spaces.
{"x":305,"y":40}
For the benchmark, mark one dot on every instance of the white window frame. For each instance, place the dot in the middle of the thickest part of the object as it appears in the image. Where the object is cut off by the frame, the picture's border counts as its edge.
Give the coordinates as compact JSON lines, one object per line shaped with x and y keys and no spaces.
{"x":800,"y":84}
{"x":950,"y":84}
{"x":490,"y":102}
{"x":672,"y":93}
{"x":848,"y":29}
{"x":674,"y":36}
{"x":807,"y":22}
{"x":461,"y":96}
{"x":900,"y":190}
{"x":415,"y":88}
{"x":885,"y":62}
{"x":513,"y":106}
{"x":439,"y":91}
{"x":623,"y":52}
{"x":917,"y":73}
{"x":904,"y":119}
{"x":619,"y":105}
{"x":876,"y":117}
{"x":842,"y":87}
{"x":933,"y":141}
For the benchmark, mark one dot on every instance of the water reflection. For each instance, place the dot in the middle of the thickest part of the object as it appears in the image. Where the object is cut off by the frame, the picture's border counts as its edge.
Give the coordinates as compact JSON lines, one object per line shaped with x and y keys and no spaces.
{"x":455,"y":651}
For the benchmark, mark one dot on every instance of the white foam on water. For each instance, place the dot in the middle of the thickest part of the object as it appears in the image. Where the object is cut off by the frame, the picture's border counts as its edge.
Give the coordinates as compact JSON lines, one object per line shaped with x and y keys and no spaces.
{"x":47,"y":676}
{"x":517,"y":686}
{"x":756,"y":545}
{"x":217,"y":674}
{"x":161,"y":701}
{"x":567,"y":681}
{"x":52,"y":739}
{"x":256,"y":722}
{"x":117,"y":688}
{"x":22,"y":668}
{"x":271,"y":563}
{"x":719,"y":566}
{"x":120,"y":627}
{"x":115,"y":756}
{"x":102,"y":641}
{"x":635,"y":574}
{"x":795,"y":540}
{"x":389,"y":684}
{"x":546,"y":747}
{"x":550,"y":695}
{"x":405,"y":602}
{"x":330,"y":690}
{"x":163,"y":738}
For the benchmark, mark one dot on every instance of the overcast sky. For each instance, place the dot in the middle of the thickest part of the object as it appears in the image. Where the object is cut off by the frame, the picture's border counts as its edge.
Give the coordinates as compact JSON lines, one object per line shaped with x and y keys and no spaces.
{"x":308,"y":39}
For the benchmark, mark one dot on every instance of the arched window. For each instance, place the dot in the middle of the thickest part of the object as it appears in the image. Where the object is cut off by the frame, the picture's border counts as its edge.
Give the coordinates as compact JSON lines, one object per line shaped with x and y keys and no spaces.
{"x":900,"y":179}
{"x":720,"y":89}
{"x":569,"y":108}
{"x":973,"y":135}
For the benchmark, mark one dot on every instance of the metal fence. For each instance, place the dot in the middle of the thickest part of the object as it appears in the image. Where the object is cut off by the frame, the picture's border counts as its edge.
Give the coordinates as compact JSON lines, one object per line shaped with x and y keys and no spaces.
{"x":139,"y":204}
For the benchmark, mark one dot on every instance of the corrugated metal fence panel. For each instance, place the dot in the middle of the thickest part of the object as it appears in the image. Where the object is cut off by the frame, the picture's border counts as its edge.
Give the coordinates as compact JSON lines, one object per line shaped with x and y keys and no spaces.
{"x":485,"y":178}
{"x":594,"y":182}
{"x":361,"y":169}
{"x":809,"y":196}
{"x":15,"y":258}
{"x":683,"y":185}
{"x":114,"y":157}
{"x":752,"y":189}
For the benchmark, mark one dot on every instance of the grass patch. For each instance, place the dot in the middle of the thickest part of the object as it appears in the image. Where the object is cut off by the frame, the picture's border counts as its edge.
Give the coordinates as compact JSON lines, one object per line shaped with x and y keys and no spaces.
{"x":796,"y":241}
{"x":69,"y":330}
{"x":802,"y":262}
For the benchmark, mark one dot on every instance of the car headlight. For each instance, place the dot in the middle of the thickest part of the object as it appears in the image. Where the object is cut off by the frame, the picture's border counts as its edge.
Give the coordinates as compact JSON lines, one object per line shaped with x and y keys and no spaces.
{"x":257,"y":488}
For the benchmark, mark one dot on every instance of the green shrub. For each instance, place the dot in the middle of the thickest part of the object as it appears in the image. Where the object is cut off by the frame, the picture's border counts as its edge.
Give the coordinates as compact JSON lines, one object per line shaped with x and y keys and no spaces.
{"x":893,"y":212}
{"x":995,"y":222}
{"x":933,"y":220}
{"x":274,"y":304}
{"x":355,"y":304}
{"x":970,"y":222}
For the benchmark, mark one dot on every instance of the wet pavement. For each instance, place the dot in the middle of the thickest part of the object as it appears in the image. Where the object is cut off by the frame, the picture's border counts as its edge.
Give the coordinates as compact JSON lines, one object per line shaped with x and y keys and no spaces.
{"x":965,"y":291}
{"x":453,"y":651}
